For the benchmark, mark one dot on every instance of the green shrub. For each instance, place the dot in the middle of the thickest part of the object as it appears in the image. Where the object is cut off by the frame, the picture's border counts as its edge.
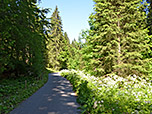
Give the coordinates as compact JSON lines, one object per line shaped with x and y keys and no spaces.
{"x":111,"y":94}
{"x":13,"y":91}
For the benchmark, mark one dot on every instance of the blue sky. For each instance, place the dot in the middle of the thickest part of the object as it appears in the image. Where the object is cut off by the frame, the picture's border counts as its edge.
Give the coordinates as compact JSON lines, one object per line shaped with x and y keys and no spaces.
{"x":74,"y":14}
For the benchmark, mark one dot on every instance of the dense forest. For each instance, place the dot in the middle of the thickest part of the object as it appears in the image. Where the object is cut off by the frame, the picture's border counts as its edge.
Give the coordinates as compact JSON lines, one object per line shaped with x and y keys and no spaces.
{"x":22,"y":38}
{"x":118,"y":43}
{"x":118,"y":40}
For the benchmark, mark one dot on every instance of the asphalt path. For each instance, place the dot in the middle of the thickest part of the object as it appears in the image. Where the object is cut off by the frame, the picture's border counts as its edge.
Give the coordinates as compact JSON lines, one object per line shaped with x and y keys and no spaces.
{"x":55,"y":97}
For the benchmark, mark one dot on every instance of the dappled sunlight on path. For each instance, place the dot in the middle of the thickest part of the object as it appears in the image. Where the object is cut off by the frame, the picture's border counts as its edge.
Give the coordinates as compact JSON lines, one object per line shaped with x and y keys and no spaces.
{"x":55,"y":97}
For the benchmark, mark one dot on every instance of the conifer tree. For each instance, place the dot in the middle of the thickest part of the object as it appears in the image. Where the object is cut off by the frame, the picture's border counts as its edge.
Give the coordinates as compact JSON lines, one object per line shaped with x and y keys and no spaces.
{"x":22,"y":37}
{"x":54,"y":44}
{"x":148,"y":10}
{"x":67,"y":40}
{"x":74,"y":58}
{"x":149,"y":17}
{"x":65,"y":53}
{"x":118,"y":38}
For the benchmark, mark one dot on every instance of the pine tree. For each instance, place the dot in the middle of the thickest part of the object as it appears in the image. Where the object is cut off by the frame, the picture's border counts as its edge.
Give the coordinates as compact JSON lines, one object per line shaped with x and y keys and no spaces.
{"x":75,"y":56}
{"x":149,"y":17}
{"x":67,"y":40}
{"x":148,"y":10}
{"x":54,"y":44}
{"x":65,"y":53}
{"x":118,"y":38}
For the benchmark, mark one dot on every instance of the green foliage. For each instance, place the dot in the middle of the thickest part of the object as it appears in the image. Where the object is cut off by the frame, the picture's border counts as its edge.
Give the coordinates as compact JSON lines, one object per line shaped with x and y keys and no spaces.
{"x":149,"y":18}
{"x":117,"y":39}
{"x":22,"y":37}
{"x":77,"y":50}
{"x":57,"y":44}
{"x":75,"y":59}
{"x":13,"y":91}
{"x":22,"y":48}
{"x":111,"y":94}
{"x":149,"y":26}
{"x":65,"y":53}
{"x":55,"y":41}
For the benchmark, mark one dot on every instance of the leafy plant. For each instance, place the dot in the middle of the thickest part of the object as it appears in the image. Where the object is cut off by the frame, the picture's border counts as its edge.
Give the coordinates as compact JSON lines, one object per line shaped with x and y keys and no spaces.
{"x":111,"y":94}
{"x":13,"y":91}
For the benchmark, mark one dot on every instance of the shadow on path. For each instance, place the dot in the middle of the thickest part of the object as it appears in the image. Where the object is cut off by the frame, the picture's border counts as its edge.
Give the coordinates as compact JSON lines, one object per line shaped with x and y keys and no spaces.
{"x":55,"y":97}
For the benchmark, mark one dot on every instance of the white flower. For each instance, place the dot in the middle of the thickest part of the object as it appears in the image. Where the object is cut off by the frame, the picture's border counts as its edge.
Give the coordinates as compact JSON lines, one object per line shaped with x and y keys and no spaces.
{"x":120,"y":79}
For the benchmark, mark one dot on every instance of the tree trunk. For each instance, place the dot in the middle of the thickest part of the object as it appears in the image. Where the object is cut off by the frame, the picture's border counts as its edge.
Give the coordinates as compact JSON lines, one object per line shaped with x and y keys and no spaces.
{"x":119,"y":46}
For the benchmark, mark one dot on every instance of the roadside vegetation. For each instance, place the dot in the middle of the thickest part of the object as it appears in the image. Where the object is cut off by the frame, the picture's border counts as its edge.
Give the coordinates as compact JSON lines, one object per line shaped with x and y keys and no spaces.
{"x":115,"y":59}
{"x":111,"y":94}
{"x":14,"y":91}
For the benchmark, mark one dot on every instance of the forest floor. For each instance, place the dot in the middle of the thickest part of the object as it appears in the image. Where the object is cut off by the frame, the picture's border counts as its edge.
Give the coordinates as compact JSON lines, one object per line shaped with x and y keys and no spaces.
{"x":55,"y":97}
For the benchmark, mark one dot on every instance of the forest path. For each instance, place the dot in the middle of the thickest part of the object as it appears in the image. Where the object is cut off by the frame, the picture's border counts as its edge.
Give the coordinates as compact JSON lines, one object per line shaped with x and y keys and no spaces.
{"x":55,"y":97}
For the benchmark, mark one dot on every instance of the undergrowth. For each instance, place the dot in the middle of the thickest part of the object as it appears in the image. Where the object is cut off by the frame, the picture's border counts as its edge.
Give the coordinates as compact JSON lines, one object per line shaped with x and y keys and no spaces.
{"x":111,"y":94}
{"x":14,"y":91}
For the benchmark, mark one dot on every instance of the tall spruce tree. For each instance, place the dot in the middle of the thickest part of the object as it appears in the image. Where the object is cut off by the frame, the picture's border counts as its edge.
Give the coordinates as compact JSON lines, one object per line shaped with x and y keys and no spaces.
{"x":149,"y":18}
{"x":149,"y":26}
{"x":75,"y":56}
{"x":55,"y":42}
{"x":65,"y":53}
{"x":118,"y":38}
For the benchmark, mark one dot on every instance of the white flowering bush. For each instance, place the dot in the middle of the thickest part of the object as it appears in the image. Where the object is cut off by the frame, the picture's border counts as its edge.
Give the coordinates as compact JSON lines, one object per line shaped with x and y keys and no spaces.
{"x":111,"y":94}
